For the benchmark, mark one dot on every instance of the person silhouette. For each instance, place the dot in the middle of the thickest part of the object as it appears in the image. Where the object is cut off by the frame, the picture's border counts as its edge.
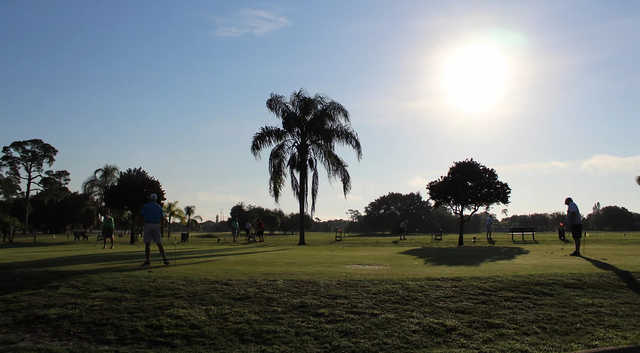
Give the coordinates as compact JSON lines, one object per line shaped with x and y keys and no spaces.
{"x":108,"y":225}
{"x":152,"y":214}
{"x":574,"y":220}
{"x":489,"y":226}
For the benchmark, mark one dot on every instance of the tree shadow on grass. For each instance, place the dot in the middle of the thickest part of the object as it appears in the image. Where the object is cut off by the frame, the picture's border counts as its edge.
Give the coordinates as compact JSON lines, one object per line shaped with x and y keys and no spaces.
{"x":465,"y":256}
{"x":17,"y":281}
{"x":33,"y":274}
{"x":32,"y":244}
{"x":625,"y":276}
{"x":123,"y":257}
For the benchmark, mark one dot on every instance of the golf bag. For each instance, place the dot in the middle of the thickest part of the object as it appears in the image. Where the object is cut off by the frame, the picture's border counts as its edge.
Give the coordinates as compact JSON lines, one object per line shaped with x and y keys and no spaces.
{"x":561,"y":234}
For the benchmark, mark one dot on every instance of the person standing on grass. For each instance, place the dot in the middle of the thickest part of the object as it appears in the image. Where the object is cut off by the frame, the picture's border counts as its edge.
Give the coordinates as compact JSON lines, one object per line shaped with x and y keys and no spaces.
{"x":574,"y":220}
{"x":404,"y":229}
{"x":260,"y":230}
{"x":152,"y":214}
{"x":235,"y":228}
{"x":247,"y":228}
{"x":489,"y":226}
{"x":108,"y":225}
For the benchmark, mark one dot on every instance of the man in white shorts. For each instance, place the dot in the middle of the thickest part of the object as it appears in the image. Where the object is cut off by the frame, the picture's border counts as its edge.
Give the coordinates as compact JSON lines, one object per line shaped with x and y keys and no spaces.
{"x":152,"y":214}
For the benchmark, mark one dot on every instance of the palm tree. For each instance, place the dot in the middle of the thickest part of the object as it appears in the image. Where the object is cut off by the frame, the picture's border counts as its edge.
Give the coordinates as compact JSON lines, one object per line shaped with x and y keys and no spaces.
{"x":97,"y":184}
{"x":311,"y":128}
{"x":189,"y":211}
{"x":171,"y":210}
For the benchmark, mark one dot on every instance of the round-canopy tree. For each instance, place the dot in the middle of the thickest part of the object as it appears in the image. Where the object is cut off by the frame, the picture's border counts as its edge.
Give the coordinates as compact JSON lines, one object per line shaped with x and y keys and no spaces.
{"x":311,"y":128}
{"x":469,"y":186}
{"x":131,"y":192}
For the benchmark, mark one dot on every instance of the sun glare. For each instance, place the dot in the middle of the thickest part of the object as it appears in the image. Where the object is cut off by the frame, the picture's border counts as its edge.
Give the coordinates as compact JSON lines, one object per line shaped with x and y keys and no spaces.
{"x":475,"y":77}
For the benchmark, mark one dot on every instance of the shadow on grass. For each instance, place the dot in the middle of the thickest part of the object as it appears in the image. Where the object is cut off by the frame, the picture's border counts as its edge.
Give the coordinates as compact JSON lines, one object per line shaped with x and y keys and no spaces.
{"x":371,"y":235}
{"x":465,"y":256}
{"x":109,"y":256}
{"x":17,"y":281}
{"x":524,"y":241}
{"x":625,"y":276}
{"x":32,"y":244}
{"x":21,"y":275}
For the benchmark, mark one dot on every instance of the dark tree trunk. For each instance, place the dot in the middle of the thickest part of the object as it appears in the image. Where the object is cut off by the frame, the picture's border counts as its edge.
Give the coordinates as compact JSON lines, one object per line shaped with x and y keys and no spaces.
{"x":26,"y":203}
{"x":460,"y":236}
{"x":301,"y":200}
{"x":132,"y":236}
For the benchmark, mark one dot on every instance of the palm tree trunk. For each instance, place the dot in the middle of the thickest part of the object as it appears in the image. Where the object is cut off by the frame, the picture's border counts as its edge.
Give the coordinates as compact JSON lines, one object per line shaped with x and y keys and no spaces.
{"x":460,"y":236}
{"x":188,"y":224}
{"x":169,"y":228}
{"x":301,"y":200}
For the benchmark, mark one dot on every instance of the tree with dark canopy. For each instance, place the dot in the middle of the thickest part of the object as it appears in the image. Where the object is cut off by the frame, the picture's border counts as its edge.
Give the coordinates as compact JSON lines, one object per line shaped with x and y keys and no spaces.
{"x":26,"y":161}
{"x":388,"y":211}
{"x":311,"y":128}
{"x":469,"y":186}
{"x":131,"y":192}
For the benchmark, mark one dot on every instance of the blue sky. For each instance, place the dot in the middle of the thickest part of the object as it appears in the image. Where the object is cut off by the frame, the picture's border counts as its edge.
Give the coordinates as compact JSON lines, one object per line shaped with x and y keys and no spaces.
{"x":179,"y":88}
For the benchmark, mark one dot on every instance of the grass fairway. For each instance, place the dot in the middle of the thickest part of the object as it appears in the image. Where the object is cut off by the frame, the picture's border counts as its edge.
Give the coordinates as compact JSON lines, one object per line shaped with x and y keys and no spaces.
{"x":363,"y":294}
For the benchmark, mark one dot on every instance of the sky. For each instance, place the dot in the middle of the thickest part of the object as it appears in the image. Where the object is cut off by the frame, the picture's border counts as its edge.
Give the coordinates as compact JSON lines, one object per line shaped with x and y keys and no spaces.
{"x":544,"y":92}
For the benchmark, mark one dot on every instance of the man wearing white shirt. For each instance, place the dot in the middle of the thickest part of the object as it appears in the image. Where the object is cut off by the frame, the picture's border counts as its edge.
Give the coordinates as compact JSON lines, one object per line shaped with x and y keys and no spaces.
{"x":574,"y":220}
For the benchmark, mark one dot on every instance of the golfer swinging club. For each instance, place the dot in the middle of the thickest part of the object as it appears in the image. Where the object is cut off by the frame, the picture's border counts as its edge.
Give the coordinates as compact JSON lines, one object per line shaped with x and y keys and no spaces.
{"x":152,"y":214}
{"x":574,"y":220}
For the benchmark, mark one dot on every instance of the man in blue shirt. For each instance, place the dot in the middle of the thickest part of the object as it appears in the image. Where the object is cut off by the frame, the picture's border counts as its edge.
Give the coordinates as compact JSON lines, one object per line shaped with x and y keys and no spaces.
{"x":152,"y":214}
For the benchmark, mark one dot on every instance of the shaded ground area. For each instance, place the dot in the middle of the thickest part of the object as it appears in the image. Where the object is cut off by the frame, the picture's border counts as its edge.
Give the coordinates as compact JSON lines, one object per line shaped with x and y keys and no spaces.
{"x":141,"y":312}
{"x":626,"y":276}
{"x":19,"y":275}
{"x":465,"y":256}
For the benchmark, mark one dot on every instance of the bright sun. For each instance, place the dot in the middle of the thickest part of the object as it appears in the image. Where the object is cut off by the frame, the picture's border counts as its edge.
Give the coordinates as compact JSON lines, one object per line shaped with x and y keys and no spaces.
{"x":475,"y":77}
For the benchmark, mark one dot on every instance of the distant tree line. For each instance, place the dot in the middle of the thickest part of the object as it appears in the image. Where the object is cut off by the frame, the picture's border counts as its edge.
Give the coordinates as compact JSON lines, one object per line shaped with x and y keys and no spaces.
{"x":275,"y":220}
{"x":386,"y":212}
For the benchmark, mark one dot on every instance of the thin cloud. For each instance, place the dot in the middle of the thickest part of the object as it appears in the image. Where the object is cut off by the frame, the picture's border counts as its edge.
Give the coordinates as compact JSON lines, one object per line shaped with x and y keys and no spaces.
{"x":598,"y":163}
{"x":546,"y":167}
{"x":249,"y":21}
{"x":604,"y":163}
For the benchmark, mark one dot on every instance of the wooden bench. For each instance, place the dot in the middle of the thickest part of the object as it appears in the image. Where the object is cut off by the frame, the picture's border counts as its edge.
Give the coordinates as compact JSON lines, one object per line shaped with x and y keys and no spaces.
{"x":522,"y":231}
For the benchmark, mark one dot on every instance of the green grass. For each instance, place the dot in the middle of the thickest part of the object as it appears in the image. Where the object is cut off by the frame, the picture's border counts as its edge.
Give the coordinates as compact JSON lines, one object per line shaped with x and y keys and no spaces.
{"x":361,"y":294}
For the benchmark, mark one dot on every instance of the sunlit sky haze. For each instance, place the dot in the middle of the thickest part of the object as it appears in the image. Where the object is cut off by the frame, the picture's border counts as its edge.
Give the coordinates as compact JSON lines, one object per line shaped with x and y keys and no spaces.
{"x":545,"y":92}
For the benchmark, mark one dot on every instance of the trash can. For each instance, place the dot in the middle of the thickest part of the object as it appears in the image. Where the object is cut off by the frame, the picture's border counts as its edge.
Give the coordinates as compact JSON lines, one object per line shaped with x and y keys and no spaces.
{"x":184,"y":237}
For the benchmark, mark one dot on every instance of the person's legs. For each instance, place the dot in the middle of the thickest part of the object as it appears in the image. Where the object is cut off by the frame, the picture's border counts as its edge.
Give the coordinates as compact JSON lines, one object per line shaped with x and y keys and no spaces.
{"x":576,"y":231}
{"x":147,"y":253}
{"x":164,"y":257}
{"x":104,"y":242}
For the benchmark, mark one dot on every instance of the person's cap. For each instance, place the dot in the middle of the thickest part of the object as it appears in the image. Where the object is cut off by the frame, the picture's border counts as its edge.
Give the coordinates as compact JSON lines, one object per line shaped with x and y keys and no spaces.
{"x":153,"y":197}
{"x":568,"y":200}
